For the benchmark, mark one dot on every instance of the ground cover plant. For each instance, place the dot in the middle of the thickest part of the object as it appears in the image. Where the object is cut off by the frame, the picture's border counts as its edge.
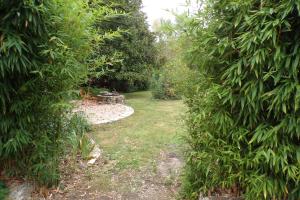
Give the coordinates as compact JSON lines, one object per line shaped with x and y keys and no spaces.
{"x":244,"y":117}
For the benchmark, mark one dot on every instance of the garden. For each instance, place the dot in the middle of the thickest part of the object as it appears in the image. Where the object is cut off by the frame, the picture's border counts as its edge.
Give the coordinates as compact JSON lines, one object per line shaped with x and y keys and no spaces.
{"x":95,"y":104}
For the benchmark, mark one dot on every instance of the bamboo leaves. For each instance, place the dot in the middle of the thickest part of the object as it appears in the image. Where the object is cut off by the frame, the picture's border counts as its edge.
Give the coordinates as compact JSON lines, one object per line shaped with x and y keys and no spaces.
{"x":42,"y":59}
{"x":260,"y":94}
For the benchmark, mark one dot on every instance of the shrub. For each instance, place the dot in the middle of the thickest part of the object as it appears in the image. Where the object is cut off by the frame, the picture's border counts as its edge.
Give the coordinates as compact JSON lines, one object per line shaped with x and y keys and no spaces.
{"x":163,"y":86}
{"x":43,"y":46}
{"x":244,"y":117}
{"x":170,"y":79}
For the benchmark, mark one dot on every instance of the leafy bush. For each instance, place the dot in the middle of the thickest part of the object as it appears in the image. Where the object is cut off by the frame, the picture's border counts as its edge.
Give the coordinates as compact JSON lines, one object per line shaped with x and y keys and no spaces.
{"x":169,"y":81}
{"x":43,"y":47}
{"x":244,"y":116}
{"x":162,"y":87}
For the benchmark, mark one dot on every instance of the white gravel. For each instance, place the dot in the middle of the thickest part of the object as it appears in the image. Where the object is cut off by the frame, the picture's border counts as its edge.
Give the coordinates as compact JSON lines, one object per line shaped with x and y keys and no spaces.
{"x":103,"y":113}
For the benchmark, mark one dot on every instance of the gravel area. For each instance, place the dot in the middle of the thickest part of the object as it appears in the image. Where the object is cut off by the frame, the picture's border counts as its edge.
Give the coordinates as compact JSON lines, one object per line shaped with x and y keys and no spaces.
{"x":103,"y":113}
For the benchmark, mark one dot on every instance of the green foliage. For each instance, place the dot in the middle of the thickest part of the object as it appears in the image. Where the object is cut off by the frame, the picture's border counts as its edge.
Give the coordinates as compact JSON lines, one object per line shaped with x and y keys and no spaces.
{"x":170,"y":80}
{"x":123,"y":55}
{"x":43,"y":47}
{"x":77,"y":138}
{"x":162,"y":87}
{"x":244,"y":116}
{"x":3,"y":191}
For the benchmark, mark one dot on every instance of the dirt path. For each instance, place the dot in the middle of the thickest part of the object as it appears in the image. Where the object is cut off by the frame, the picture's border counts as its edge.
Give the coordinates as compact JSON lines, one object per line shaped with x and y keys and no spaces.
{"x":141,"y":160}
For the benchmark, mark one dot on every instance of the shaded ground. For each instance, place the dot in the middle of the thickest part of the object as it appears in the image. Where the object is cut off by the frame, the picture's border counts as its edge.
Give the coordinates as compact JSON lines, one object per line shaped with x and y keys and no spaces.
{"x":141,"y":156}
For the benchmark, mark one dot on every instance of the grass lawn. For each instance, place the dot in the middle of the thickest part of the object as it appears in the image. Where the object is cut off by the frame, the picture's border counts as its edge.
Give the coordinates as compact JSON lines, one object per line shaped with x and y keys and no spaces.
{"x":141,"y":155}
{"x":142,"y":152}
{"x":138,"y":140}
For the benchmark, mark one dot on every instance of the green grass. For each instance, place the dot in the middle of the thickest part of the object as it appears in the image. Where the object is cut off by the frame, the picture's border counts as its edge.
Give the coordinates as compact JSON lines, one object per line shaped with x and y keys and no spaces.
{"x":138,"y":140}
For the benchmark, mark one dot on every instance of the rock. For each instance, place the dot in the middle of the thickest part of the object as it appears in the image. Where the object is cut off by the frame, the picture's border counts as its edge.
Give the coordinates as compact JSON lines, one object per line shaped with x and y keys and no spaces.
{"x":82,"y":165}
{"x":95,"y":153}
{"x":20,"y":191}
{"x":225,"y":197}
{"x":111,"y":99}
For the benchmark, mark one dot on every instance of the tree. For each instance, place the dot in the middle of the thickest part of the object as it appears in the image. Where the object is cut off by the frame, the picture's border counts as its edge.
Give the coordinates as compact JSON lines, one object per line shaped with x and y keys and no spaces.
{"x":125,"y":51}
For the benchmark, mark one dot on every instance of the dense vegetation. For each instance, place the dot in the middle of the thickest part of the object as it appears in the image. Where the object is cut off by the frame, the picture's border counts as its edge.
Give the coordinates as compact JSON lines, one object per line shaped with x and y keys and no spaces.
{"x":43,"y":50}
{"x":170,"y":77}
{"x":124,"y":52}
{"x":237,"y":64}
{"x":48,"y":49}
{"x":244,"y":117}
